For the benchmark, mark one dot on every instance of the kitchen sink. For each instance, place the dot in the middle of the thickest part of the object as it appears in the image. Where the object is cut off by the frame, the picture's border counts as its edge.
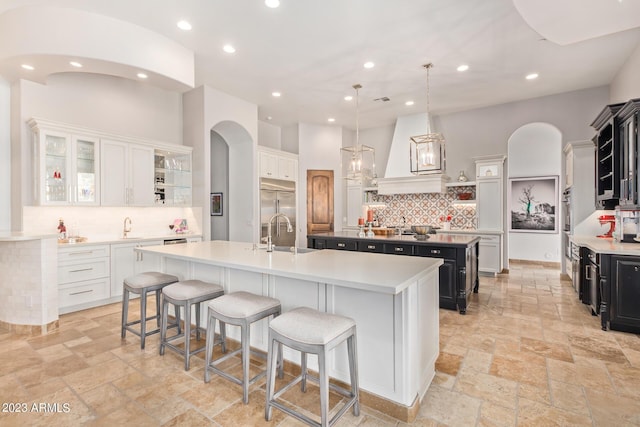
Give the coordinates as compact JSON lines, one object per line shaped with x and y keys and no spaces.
{"x":290,"y":249}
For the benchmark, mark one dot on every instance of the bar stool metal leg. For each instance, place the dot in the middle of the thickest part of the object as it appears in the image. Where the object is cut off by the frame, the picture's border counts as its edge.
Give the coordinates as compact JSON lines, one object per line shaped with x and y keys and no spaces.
{"x":125,"y":312}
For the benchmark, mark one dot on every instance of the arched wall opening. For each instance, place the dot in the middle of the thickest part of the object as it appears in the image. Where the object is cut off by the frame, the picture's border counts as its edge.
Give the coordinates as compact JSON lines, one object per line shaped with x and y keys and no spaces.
{"x":534,"y":150}
{"x":231,"y":174}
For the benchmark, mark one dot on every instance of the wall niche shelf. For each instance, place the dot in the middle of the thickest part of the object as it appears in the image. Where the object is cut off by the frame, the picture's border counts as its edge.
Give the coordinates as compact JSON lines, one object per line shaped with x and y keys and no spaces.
{"x":461,"y":184}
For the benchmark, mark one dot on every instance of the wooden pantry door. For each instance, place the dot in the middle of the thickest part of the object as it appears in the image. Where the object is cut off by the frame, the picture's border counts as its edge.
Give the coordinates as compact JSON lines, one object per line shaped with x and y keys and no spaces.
{"x":319,"y":201}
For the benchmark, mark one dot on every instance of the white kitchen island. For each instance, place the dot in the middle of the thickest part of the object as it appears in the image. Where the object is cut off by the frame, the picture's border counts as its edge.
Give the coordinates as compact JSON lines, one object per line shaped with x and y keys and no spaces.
{"x":393,"y":299}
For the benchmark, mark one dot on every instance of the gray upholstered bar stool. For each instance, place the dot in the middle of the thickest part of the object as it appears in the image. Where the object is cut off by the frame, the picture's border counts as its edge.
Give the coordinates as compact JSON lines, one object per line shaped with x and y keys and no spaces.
{"x":312,"y":331}
{"x":185,"y":294}
{"x":239,"y":309}
{"x":142,"y":284}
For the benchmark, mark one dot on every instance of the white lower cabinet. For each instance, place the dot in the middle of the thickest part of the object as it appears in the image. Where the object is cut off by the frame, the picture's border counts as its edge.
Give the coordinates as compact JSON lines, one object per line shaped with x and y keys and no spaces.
{"x":490,"y":256}
{"x":125,"y":261}
{"x":83,"y":277}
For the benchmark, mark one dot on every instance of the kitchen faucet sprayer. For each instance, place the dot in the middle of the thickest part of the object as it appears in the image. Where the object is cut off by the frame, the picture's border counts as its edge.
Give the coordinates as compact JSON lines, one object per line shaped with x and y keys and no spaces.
{"x":125,"y":228}
{"x":289,"y":229}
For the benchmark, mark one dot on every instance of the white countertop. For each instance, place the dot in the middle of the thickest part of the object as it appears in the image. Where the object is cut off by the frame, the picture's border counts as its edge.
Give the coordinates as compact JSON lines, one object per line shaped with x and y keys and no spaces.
{"x":469,"y":231}
{"x":110,"y":239}
{"x":388,"y":274}
{"x":449,"y":239}
{"x":607,"y":245}
{"x":16,"y":236}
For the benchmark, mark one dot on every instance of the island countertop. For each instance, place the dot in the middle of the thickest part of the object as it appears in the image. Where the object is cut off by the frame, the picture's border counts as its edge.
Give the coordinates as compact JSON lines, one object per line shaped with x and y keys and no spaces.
{"x":607,"y":245}
{"x":387,"y":274}
{"x":433,"y":239}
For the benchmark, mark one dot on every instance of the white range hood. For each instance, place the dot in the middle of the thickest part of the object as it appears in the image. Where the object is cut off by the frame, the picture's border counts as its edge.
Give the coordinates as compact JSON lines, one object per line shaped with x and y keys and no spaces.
{"x":398,"y":178}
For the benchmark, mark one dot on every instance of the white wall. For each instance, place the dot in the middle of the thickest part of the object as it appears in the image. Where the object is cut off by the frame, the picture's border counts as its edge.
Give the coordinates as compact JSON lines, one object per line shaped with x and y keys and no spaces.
{"x":236,"y":121}
{"x":535,"y":150}
{"x":220,"y":183}
{"x":379,"y":138}
{"x":626,"y":84}
{"x":319,"y":149}
{"x":289,"y":139}
{"x":269,"y":135}
{"x":5,"y":155}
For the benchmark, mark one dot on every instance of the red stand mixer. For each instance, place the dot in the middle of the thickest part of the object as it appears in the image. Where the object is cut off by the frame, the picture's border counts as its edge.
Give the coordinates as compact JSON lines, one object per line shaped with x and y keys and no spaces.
{"x":608,"y":219}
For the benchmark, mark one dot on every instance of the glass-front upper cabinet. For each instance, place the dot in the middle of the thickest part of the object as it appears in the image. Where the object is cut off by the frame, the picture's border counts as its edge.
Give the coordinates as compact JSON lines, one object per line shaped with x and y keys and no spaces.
{"x":67,"y":167}
{"x":172,"y":178}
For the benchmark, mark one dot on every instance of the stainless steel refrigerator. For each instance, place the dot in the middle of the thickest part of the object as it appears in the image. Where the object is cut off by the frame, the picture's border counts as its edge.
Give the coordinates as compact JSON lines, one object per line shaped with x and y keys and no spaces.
{"x":277,"y":196}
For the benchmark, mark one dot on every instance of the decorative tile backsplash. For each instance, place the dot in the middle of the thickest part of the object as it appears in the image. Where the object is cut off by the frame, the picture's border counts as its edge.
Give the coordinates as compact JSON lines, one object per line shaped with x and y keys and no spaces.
{"x":427,"y":208}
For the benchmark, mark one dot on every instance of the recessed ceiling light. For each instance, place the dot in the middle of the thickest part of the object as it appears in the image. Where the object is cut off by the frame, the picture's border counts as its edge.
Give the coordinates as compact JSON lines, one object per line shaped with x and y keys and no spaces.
{"x":348,"y":98}
{"x":369,"y":64}
{"x":532,"y":76}
{"x":272,"y":3}
{"x":142,"y":75}
{"x":463,"y":67}
{"x":228,"y":48}
{"x":28,"y":67}
{"x":331,"y":120}
{"x":409,"y":103}
{"x":184,"y":25}
{"x":75,"y":64}
{"x":269,"y":118}
{"x":276,"y":94}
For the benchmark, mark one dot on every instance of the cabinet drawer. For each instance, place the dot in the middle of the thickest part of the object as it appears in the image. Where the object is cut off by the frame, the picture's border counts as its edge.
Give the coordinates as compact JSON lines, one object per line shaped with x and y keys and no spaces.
{"x":81,"y":293}
{"x":348,"y":245}
{"x":436,"y":252}
{"x":489,"y":239}
{"x":71,"y":272}
{"x":398,"y":249}
{"x":371,"y":247}
{"x":82,"y":252}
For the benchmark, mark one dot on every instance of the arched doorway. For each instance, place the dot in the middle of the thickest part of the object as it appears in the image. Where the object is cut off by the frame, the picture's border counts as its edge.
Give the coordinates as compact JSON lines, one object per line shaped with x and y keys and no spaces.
{"x":534,"y":150}
{"x":231,"y":175}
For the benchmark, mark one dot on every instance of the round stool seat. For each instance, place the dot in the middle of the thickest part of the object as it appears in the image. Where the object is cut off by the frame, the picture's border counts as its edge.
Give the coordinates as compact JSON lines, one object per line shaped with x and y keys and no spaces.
{"x":149,"y":278}
{"x":308,"y":326}
{"x":242,"y":305}
{"x":190,"y":289}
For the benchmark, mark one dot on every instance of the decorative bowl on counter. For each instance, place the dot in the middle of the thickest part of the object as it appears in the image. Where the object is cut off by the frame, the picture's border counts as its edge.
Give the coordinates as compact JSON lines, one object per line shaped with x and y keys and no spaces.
{"x":465,"y":196}
{"x":421,"y":230}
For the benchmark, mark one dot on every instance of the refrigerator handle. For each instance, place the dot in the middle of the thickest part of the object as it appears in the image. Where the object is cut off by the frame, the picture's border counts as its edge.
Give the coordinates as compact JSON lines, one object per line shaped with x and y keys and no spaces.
{"x":278,"y":218}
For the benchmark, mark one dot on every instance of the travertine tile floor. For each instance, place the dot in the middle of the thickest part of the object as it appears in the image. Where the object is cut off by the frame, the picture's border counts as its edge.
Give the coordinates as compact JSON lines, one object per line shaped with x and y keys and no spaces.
{"x":527,"y":353}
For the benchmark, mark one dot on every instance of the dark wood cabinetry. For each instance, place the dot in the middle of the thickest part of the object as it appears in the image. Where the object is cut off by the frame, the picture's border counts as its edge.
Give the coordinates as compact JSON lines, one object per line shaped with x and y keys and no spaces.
{"x":458,"y":274}
{"x":607,"y":166}
{"x":628,"y":133}
{"x":624,"y":306}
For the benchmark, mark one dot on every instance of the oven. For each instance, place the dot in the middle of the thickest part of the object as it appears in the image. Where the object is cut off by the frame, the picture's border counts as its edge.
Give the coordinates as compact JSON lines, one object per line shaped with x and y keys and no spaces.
{"x":175,"y":241}
{"x":576,"y":275}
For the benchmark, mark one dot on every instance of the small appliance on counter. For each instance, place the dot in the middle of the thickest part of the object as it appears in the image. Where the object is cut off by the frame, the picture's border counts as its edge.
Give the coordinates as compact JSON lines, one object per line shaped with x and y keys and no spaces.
{"x":627,"y":224}
{"x":607,"y":219}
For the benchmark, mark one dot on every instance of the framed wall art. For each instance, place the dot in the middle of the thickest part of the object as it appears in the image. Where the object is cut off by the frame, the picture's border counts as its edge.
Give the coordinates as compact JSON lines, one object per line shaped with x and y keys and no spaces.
{"x":216,"y":204}
{"x":533,"y":204}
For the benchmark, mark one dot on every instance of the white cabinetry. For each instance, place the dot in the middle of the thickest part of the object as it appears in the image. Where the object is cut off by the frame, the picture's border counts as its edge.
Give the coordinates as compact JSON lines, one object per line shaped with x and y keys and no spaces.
{"x":126,"y":174}
{"x":354,"y":201}
{"x":83,"y":277}
{"x":490,"y":192}
{"x":278,"y":164}
{"x":173,"y":177}
{"x":125,"y":262}
{"x":580,"y":176}
{"x":490,"y":253}
{"x":67,"y":165}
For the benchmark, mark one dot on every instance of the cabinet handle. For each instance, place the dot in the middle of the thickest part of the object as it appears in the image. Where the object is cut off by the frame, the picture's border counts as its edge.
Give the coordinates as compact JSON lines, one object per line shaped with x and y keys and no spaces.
{"x":371,"y":246}
{"x":82,"y":292}
{"x":82,"y":269}
{"x":341,"y":245}
{"x":81,"y":253}
{"x":636,"y":269}
{"x":435,"y":251}
{"x":399,"y":249}
{"x":587,"y":271}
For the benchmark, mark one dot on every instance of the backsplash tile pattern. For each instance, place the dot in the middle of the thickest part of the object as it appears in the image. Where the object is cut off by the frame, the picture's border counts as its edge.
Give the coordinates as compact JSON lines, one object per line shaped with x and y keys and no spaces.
{"x":427,"y":208}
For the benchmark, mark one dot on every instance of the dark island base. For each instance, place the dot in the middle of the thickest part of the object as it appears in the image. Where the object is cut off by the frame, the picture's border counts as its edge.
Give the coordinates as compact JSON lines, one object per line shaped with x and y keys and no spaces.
{"x":458,"y":275}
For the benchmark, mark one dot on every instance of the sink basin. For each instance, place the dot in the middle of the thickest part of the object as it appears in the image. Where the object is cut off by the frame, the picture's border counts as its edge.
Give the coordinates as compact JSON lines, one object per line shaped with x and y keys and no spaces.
{"x":290,"y":249}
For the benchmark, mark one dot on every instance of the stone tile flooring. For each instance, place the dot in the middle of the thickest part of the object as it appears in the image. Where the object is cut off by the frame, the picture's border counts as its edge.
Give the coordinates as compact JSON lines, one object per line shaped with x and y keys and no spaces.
{"x":527,"y":353}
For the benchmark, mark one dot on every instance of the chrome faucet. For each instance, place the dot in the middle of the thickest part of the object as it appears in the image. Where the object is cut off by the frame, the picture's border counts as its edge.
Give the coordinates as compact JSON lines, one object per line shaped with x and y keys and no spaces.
{"x":289,"y":230}
{"x":125,"y":228}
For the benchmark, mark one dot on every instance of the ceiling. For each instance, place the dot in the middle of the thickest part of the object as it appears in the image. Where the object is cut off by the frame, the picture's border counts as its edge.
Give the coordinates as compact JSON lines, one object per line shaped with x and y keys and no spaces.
{"x":313,"y":51}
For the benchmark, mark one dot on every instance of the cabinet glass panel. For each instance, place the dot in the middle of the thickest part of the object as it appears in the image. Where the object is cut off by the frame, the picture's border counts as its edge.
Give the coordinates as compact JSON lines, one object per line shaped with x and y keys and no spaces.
{"x":486,"y":171}
{"x":56,"y":168}
{"x":86,"y":171}
{"x":172,"y":178}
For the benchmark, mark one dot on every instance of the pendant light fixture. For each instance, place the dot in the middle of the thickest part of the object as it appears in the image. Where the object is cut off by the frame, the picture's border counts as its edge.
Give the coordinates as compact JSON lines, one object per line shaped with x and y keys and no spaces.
{"x":427,"y":155}
{"x":358,"y":161}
